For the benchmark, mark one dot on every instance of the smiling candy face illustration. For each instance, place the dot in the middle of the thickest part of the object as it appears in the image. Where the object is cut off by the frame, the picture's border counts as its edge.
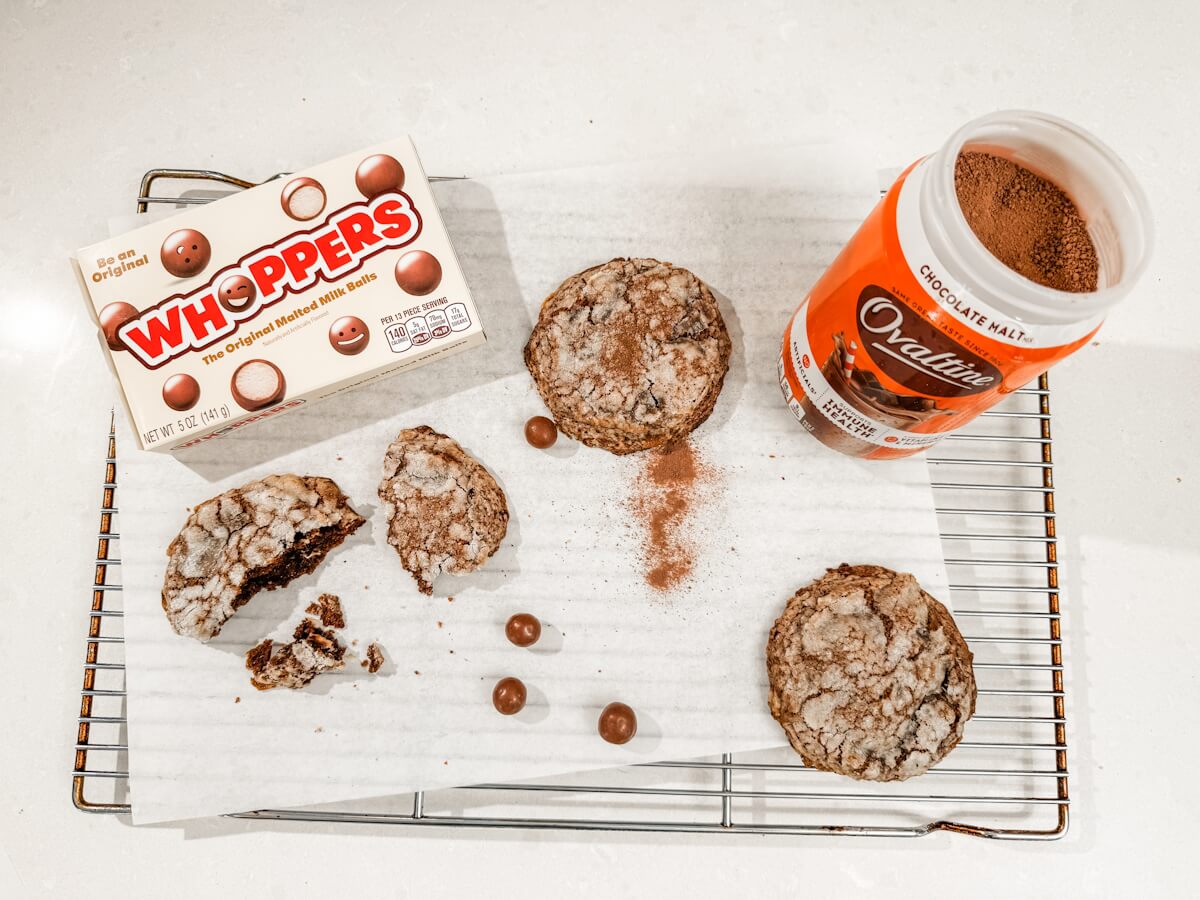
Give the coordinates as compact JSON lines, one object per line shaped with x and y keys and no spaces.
{"x":349,"y":335}
{"x":236,"y":293}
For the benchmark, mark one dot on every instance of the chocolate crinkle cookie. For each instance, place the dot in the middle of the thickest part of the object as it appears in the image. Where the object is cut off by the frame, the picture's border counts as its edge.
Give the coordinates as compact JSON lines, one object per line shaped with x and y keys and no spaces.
{"x":446,"y":513}
{"x":629,"y":355}
{"x":312,"y":650}
{"x":869,"y":675}
{"x":256,"y":537}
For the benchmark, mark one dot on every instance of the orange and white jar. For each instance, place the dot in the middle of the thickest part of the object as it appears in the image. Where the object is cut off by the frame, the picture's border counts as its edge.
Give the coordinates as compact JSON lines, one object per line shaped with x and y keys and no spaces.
{"x":916,"y":328}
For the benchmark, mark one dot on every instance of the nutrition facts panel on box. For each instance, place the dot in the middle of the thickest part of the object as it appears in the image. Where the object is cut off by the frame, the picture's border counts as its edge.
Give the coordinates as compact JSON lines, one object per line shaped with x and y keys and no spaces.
{"x":405,"y":332}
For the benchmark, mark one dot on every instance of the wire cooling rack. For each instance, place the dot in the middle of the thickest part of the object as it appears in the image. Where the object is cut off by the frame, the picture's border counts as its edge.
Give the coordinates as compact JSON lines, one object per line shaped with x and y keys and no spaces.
{"x":994,"y":492}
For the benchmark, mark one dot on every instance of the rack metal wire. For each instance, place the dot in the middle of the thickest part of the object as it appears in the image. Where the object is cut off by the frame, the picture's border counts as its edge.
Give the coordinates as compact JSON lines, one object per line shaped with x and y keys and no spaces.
{"x":994,"y":491}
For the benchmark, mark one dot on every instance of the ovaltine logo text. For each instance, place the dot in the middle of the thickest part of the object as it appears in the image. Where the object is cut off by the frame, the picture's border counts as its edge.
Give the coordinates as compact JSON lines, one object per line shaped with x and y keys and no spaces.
{"x":914,"y":353}
{"x":329,"y":252}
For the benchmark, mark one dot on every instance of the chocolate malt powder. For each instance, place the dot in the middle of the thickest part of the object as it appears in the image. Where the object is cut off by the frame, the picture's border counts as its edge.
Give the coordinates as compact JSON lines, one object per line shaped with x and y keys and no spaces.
{"x":671,"y":483}
{"x":1026,"y":221}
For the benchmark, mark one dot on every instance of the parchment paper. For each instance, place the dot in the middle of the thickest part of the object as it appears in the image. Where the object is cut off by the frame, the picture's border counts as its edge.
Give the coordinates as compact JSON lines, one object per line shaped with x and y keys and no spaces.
{"x":203,"y":741}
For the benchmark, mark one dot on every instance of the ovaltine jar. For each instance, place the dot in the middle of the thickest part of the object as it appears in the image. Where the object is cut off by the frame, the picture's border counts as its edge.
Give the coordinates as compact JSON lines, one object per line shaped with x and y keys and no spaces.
{"x":916,"y":327}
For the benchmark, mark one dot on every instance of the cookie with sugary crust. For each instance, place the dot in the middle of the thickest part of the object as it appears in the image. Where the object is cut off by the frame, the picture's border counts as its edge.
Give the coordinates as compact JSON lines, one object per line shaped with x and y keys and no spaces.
{"x":445,"y":511}
{"x":869,"y":675}
{"x":629,"y":355}
{"x":255,"y":537}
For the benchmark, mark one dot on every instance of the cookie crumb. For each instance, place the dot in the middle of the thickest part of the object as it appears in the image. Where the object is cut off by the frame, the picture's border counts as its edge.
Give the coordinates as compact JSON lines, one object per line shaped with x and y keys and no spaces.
{"x":313,"y":650}
{"x":237,"y":699}
{"x":374,"y":661}
{"x":329,"y":608}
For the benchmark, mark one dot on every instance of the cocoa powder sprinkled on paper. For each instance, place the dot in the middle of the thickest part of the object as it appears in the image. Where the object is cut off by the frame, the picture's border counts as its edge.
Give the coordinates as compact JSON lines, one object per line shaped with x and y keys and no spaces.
{"x":1026,"y":221}
{"x":671,"y":482}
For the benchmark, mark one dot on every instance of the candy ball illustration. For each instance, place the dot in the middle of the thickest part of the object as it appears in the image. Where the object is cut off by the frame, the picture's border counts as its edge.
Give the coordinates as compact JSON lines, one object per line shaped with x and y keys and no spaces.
{"x":257,"y":384}
{"x":379,"y":174}
{"x":181,"y":392}
{"x":303,"y":199}
{"x":112,"y":317}
{"x":185,"y":253}
{"x":418,"y":273}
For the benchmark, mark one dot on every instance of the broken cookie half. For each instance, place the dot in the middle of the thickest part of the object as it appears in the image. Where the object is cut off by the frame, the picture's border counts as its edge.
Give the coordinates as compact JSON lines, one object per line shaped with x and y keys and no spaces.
{"x":256,"y":537}
{"x":446,"y":513}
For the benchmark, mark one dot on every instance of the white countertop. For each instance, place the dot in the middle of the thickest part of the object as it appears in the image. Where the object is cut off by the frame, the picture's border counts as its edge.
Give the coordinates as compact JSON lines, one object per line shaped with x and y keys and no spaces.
{"x":91,"y":98}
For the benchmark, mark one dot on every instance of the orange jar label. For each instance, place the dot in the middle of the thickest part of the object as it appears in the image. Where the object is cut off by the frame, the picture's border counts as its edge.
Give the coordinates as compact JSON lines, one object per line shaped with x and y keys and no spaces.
{"x":888,"y":353}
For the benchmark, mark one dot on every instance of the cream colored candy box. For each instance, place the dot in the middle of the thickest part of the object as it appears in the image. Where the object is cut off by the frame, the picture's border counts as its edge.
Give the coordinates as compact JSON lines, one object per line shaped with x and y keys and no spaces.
{"x":303,"y":287}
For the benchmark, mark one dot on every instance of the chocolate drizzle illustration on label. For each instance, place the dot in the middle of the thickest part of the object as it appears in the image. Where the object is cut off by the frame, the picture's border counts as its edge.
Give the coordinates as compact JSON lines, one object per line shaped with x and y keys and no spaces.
{"x":914,"y":353}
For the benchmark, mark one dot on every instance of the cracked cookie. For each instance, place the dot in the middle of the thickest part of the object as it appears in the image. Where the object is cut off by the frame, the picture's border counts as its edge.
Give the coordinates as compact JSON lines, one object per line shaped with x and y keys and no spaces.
{"x":312,"y":650}
{"x":256,"y":537}
{"x":446,"y":513}
{"x":869,"y":676}
{"x":629,"y":355}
